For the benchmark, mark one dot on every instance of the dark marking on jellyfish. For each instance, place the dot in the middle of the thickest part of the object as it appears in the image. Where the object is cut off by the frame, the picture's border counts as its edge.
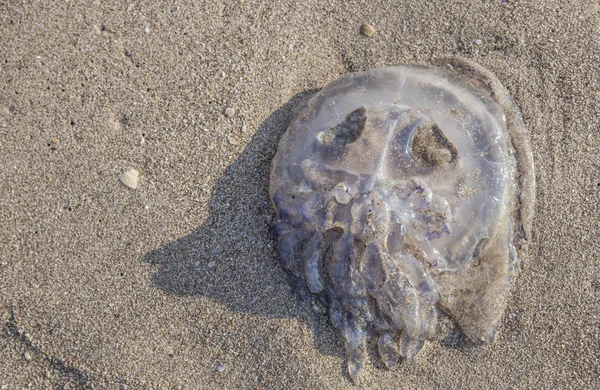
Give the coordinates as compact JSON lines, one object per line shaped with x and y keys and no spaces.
{"x":330,"y":236}
{"x":430,"y":147}
{"x":481,"y":245}
{"x":346,"y":132}
{"x":418,"y":253}
{"x":359,"y":247}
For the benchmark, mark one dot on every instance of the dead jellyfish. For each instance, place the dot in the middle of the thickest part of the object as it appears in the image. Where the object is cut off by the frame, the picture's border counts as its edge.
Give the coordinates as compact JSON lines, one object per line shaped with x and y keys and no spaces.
{"x":402,"y":193}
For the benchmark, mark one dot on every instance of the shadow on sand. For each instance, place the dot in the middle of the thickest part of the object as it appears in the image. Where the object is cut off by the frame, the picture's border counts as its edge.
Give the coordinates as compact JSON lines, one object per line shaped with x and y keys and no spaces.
{"x":231,"y":258}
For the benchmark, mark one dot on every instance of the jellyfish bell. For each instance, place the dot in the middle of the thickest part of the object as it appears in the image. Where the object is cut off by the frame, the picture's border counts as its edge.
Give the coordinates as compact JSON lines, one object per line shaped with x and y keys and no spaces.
{"x":400,"y":192}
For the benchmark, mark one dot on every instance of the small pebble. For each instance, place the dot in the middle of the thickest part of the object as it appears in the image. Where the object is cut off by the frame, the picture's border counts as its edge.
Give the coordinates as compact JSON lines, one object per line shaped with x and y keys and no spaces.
{"x":477,"y":42}
{"x":146,"y":30}
{"x":211,"y":264}
{"x":4,"y":387}
{"x":244,"y":128}
{"x":130,"y":179}
{"x":27,"y":356}
{"x":367,"y":30}
{"x":229,"y":112}
{"x":220,"y":367}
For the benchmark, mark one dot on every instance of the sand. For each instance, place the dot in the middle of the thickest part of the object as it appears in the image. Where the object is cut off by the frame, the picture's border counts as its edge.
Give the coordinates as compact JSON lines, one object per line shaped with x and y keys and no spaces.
{"x":103,"y":286}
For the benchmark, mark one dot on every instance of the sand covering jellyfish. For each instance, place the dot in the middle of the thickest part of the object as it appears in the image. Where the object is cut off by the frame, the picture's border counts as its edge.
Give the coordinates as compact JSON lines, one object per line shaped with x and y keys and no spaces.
{"x":401,"y":193}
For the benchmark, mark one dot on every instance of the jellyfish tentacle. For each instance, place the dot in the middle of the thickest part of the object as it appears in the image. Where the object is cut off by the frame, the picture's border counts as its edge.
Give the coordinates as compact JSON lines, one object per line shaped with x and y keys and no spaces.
{"x":289,"y":248}
{"x":374,"y":271}
{"x":388,"y":349}
{"x":421,"y":242}
{"x":402,"y":293}
{"x":311,"y":261}
{"x":281,"y":228}
{"x":409,"y":345}
{"x":340,"y":262}
{"x":349,"y":307}
{"x":336,"y":313}
{"x":418,"y":278}
{"x":422,"y":320}
{"x":399,"y":300}
{"x":431,"y":321}
{"x":355,"y":336}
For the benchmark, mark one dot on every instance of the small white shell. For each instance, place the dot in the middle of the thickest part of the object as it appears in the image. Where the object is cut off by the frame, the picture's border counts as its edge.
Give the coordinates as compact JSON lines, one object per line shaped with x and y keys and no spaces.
{"x":130,"y":178}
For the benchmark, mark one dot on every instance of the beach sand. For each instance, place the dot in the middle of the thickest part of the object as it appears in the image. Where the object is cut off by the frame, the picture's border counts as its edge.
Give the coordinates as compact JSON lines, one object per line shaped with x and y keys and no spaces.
{"x":102,"y":286}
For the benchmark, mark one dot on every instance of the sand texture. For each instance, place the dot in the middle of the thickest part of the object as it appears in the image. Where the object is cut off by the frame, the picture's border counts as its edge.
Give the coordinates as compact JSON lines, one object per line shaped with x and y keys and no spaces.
{"x":107,"y":286}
